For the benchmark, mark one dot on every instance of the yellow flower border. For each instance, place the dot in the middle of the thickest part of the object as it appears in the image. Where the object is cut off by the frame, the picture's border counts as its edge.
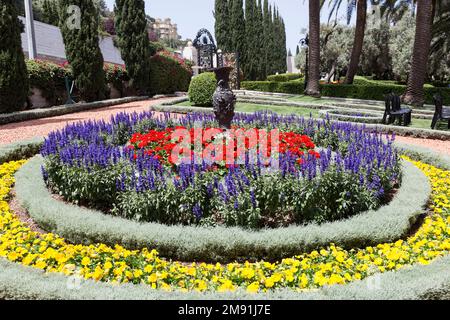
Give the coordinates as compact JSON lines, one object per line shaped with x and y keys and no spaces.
{"x":328,"y":266}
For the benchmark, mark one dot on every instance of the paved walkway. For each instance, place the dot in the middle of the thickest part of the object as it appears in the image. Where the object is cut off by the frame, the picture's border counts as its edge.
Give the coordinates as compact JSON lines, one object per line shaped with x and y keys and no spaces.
{"x":439,"y":146}
{"x":41,"y":127}
{"x":26,"y":130}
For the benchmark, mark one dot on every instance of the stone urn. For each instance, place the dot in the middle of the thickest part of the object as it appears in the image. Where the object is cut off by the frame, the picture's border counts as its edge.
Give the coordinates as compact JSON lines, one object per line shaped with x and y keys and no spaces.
{"x":224,"y":100}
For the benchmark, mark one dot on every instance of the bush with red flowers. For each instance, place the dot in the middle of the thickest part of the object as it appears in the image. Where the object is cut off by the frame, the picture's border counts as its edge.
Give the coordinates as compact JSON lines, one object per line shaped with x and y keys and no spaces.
{"x":169,"y":73}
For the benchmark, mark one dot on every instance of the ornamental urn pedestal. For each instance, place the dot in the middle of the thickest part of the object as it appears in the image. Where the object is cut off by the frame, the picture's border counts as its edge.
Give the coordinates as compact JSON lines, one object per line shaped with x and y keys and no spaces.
{"x":224,"y":100}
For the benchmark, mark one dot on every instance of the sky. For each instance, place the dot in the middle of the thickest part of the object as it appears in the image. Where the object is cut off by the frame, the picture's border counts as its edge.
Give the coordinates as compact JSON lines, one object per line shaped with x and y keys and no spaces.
{"x":192,"y":15}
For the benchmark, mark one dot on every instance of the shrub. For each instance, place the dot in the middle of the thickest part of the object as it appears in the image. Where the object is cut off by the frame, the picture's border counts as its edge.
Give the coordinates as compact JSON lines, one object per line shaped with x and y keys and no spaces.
{"x":168,"y":74}
{"x":49,"y":78}
{"x":284,"y":77}
{"x":13,"y":72}
{"x":202,"y":88}
{"x":356,"y":91}
{"x":116,"y":76}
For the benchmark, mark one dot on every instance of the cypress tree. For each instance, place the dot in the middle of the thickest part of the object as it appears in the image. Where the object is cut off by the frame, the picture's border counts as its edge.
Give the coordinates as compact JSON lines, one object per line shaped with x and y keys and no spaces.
{"x":13,"y":72}
{"x":283,"y":54}
{"x":222,"y":24}
{"x":82,"y":48}
{"x":260,"y":47}
{"x":238,"y":28}
{"x":131,"y":28}
{"x":267,"y":39}
{"x":249,"y":63}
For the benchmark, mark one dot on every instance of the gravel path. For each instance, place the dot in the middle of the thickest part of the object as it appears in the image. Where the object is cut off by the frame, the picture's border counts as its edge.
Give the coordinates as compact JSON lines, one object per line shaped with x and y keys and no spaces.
{"x":26,"y":130}
{"x":439,"y":146}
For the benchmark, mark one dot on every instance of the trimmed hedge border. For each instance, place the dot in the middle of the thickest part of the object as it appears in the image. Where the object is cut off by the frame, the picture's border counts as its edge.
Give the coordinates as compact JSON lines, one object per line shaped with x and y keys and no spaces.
{"x":392,"y":129}
{"x":431,"y":282}
{"x":20,"y":150}
{"x":370,"y":92}
{"x":417,"y":114}
{"x":418,"y":282}
{"x":221,"y":244}
{"x":62,"y":110}
{"x":335,"y":115}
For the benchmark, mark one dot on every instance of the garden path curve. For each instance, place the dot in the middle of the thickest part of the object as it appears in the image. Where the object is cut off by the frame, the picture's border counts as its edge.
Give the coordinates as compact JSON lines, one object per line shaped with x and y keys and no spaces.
{"x":27,"y":130}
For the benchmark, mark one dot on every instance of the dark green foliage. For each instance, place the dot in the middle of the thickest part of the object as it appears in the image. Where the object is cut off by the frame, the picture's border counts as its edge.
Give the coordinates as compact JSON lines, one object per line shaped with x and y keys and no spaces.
{"x":259,"y":36}
{"x":223,"y":25}
{"x":202,"y":88}
{"x":250,"y":58}
{"x":284,"y":77}
{"x":48,"y":10}
{"x":49,"y":78}
{"x":82,"y":48}
{"x":367,"y":92}
{"x":168,"y":75}
{"x":131,"y":28}
{"x":13,"y":71}
{"x":238,"y":27}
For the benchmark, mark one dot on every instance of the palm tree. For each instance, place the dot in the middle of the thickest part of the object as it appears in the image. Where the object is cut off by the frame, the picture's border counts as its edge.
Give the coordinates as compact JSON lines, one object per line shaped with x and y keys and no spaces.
{"x":414,"y":92}
{"x":360,"y":28}
{"x":312,"y":87}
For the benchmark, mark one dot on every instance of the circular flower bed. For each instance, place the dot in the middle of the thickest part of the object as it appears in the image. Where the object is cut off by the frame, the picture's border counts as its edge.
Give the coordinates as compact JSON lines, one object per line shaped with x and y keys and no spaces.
{"x":128,"y":168}
{"x":327,"y":266}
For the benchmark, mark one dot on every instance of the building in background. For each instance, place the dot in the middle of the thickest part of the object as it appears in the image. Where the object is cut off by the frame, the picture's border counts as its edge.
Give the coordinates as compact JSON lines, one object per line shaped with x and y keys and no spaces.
{"x":165,"y":29}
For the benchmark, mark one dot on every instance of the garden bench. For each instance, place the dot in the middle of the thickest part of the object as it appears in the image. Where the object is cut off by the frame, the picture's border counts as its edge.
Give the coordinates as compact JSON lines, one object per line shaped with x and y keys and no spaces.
{"x":441,"y":113}
{"x":395,"y":111}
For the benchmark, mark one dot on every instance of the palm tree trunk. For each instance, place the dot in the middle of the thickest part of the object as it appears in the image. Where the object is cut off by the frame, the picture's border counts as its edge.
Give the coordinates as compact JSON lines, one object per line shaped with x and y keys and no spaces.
{"x":360,"y":29}
{"x":414,"y":93}
{"x":312,"y":87}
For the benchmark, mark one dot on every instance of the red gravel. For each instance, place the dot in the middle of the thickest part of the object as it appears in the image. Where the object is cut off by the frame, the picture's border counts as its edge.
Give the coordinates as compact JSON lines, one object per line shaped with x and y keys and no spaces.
{"x":439,"y":146}
{"x":26,"y":130}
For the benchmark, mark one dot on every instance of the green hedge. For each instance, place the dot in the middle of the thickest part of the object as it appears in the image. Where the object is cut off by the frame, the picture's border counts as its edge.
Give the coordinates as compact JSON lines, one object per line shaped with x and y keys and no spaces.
{"x":168,"y":74}
{"x":367,"y":92}
{"x":222,"y":244}
{"x":202,"y":88}
{"x":285,"y":77}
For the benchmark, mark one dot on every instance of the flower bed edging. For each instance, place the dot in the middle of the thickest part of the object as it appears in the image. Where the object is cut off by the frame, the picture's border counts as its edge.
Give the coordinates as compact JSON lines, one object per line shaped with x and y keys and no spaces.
{"x":62,"y":110}
{"x":418,"y":282}
{"x":414,"y":282}
{"x":222,"y":244}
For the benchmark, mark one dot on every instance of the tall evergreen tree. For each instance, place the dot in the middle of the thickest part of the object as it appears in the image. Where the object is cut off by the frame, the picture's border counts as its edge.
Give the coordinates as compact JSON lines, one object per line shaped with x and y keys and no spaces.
{"x":267,"y":38}
{"x":131,"y":28}
{"x":260,"y":47}
{"x":13,"y":72}
{"x":82,"y":48}
{"x":223,"y":24}
{"x":283,"y":54}
{"x":238,"y":28}
{"x":249,"y":62}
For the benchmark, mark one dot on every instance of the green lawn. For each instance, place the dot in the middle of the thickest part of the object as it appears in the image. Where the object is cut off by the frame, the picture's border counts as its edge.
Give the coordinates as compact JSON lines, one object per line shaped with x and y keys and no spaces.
{"x":251,"y":107}
{"x":305,"y":112}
